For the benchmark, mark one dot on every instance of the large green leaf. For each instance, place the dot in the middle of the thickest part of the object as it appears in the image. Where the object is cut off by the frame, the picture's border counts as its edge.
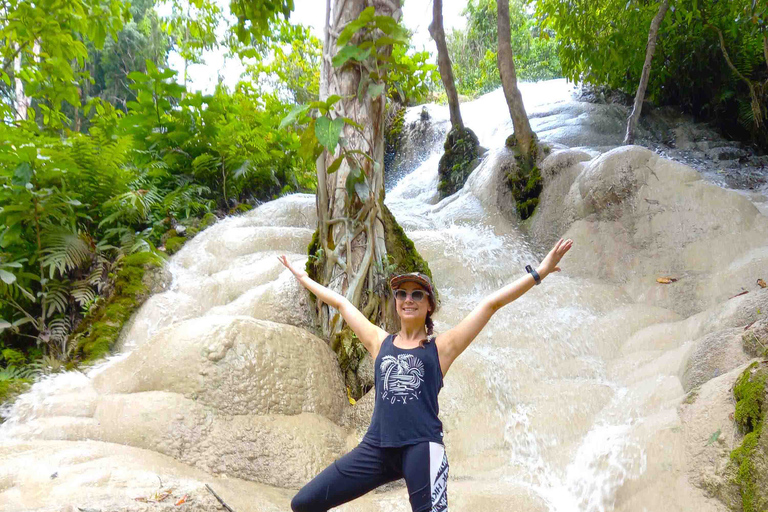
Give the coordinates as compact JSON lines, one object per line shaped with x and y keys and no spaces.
{"x":22,"y":175}
{"x":7,"y":277}
{"x":294,"y":114}
{"x":328,"y":132}
{"x":348,"y":52}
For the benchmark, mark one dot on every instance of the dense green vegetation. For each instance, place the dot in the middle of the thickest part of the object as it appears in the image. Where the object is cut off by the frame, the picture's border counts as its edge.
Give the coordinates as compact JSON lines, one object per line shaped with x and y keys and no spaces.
{"x":603,"y":43}
{"x":108,"y":163}
{"x":473,"y":50}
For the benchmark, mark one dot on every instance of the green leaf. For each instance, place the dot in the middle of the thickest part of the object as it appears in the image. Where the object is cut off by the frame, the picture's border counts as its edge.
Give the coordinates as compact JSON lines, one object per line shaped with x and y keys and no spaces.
{"x":353,"y":26}
{"x":4,"y":324}
{"x":328,"y":132}
{"x":331,"y":101}
{"x":352,"y":123}
{"x":138,"y":76}
{"x":355,"y":176}
{"x":295,"y":112}
{"x":22,"y":175}
{"x":350,"y":51}
{"x":386,"y":24}
{"x":375,"y":90}
{"x":7,"y":277}
{"x":335,"y":165}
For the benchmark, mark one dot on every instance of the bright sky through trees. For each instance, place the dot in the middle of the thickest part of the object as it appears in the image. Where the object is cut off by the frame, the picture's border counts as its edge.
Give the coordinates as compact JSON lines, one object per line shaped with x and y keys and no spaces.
{"x":417,"y":15}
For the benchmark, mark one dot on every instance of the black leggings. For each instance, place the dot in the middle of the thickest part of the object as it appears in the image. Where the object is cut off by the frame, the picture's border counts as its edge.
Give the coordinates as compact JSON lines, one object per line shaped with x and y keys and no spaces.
{"x":424,"y":467}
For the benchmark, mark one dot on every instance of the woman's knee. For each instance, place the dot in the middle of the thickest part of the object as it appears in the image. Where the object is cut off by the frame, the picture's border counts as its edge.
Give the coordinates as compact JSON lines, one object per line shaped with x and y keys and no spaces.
{"x":303,"y":502}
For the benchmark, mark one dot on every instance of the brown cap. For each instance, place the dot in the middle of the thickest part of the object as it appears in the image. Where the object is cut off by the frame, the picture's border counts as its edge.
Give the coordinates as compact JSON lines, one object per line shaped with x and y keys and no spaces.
{"x":419,"y":278}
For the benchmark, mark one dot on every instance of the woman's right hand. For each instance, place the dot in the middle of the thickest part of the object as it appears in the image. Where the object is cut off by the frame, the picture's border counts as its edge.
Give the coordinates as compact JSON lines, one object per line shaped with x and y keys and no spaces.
{"x":297,"y":273}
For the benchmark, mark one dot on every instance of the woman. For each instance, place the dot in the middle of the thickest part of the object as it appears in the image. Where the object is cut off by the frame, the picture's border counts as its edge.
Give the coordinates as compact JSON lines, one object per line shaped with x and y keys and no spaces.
{"x":404,"y":439}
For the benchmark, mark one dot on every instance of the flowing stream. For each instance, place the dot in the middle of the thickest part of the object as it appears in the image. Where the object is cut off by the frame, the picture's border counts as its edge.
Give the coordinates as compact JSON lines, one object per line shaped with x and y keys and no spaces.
{"x":549,"y":409}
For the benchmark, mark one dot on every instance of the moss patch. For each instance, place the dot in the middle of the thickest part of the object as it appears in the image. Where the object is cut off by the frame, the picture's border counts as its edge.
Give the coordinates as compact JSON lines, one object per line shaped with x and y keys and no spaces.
{"x":98,"y":331}
{"x":393,"y":132}
{"x":524,"y":180}
{"x":459,"y":160}
{"x":173,"y":244}
{"x":11,"y":388}
{"x":350,"y":353}
{"x":751,"y":458}
{"x":240,"y":208}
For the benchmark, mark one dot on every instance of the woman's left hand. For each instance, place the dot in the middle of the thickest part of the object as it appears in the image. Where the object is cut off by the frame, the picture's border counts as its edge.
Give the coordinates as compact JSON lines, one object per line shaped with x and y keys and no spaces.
{"x":549,"y":263}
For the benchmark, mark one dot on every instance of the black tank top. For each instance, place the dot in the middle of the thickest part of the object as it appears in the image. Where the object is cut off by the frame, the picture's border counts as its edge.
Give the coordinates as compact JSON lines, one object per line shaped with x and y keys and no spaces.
{"x":407,"y":384}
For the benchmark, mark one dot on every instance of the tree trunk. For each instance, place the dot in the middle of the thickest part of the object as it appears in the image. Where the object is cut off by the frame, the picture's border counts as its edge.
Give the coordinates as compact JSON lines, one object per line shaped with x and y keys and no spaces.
{"x":526,"y":139}
{"x":650,"y":49}
{"x":351,"y":231}
{"x":21,"y":102}
{"x":444,"y":64}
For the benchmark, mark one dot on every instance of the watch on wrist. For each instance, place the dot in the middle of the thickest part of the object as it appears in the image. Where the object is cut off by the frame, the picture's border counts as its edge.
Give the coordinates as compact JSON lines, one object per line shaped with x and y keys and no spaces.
{"x":535,"y":274}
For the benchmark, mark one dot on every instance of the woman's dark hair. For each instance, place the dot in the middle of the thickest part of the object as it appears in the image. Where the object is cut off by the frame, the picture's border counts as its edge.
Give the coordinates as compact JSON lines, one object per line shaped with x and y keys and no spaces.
{"x":429,"y":324}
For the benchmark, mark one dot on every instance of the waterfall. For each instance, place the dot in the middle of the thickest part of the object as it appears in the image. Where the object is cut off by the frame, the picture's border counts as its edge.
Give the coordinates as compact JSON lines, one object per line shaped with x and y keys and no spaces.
{"x":566,"y":401}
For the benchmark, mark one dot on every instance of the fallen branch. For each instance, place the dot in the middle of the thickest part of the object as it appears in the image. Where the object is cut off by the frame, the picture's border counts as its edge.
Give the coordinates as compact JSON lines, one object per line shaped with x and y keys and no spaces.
{"x":218,"y":498}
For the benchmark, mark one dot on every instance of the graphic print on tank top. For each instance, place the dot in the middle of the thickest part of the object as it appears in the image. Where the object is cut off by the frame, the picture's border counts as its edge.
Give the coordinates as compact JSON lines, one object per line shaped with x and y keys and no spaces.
{"x":402,"y":376}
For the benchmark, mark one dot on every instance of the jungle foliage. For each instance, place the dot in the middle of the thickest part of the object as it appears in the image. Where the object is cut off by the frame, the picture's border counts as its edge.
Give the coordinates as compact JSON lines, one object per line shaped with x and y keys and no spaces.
{"x":711,"y":55}
{"x":473,"y":49}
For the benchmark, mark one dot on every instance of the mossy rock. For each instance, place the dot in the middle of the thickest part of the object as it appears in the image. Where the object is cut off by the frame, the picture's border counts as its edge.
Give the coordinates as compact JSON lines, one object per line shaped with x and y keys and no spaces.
{"x":240,"y":208}
{"x":750,"y":460}
{"x":172,"y":245}
{"x":755,"y":340}
{"x":98,"y":331}
{"x":11,"y":388}
{"x":171,"y":233}
{"x":523,"y":179}
{"x":209,"y":219}
{"x":461,"y":156}
{"x":393,"y":132}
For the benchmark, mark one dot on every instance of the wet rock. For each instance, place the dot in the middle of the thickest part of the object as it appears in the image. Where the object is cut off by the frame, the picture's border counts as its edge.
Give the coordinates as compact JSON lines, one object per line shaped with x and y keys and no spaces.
{"x":459,"y":160}
{"x":727,"y":153}
{"x":712,"y":355}
{"x":641,"y":217}
{"x":237,"y":365}
{"x":755,"y":339}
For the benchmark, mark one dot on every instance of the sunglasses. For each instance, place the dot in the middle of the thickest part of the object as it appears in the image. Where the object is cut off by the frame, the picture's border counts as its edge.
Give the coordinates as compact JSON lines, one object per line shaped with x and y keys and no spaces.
{"x":416,"y":295}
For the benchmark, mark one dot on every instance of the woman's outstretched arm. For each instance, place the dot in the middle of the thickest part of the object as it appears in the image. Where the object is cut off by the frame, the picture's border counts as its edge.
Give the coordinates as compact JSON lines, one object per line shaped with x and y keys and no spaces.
{"x":454,"y":341}
{"x":368,"y":333}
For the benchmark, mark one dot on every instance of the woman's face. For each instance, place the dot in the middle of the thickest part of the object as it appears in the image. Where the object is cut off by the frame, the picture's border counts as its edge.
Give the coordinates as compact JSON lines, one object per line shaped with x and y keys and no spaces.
{"x":410,"y":309}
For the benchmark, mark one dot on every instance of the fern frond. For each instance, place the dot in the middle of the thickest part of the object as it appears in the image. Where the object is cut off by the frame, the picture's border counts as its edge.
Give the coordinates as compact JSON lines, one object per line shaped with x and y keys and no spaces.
{"x":56,"y":298}
{"x":64,"y":250}
{"x":82,"y":292}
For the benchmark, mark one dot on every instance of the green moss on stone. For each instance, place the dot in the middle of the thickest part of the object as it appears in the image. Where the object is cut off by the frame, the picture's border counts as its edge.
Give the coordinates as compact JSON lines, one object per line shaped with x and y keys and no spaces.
{"x":172,"y":245}
{"x":524,"y":179}
{"x":459,"y":160}
{"x":751,"y":461}
{"x":240,"y":208}
{"x":208,"y":219}
{"x":11,"y":388}
{"x":350,"y":352}
{"x":394,"y":130}
{"x":98,"y":331}
{"x":400,"y":248}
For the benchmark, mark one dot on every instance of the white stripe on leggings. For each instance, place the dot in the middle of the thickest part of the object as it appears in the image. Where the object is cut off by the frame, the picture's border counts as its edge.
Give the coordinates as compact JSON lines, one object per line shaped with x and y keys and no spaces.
{"x":438,"y":477}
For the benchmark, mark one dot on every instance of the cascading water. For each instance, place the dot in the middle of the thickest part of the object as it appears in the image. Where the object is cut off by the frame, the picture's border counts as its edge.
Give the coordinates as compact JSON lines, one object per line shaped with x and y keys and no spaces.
{"x":547,"y":409}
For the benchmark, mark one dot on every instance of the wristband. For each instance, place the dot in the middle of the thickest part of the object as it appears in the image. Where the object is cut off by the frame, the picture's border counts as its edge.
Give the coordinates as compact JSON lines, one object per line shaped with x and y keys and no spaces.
{"x":535,"y":274}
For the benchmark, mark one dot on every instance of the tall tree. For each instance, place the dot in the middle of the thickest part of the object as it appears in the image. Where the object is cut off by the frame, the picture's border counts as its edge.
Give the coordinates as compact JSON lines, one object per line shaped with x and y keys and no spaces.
{"x":358,"y":239}
{"x":444,"y":64}
{"x":650,"y":49}
{"x":461,"y":144}
{"x":526,"y":139}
